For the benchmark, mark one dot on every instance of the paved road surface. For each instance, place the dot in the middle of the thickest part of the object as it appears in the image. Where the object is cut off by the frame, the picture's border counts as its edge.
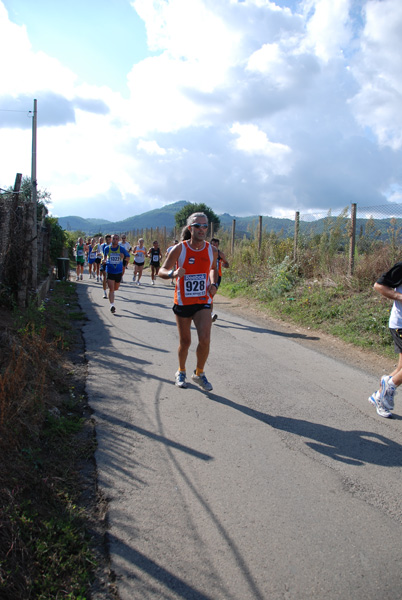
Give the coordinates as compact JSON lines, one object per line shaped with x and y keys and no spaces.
{"x":281,"y":484}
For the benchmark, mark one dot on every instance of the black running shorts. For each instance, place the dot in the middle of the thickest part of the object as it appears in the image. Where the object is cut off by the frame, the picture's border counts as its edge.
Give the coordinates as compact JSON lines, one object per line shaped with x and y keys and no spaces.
{"x":115,"y":277}
{"x":397,"y":337}
{"x":189,"y":310}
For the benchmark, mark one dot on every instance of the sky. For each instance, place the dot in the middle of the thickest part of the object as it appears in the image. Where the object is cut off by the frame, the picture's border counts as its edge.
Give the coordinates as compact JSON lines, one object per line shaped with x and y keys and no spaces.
{"x":251,"y":106}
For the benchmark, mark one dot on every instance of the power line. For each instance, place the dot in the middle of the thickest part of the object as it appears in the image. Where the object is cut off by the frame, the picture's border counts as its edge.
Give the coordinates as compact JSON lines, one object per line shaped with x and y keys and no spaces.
{"x":8,"y":191}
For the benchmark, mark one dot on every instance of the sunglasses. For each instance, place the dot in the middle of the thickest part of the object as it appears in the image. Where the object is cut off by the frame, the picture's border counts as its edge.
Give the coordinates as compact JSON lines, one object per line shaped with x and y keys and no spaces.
{"x":198,"y":225}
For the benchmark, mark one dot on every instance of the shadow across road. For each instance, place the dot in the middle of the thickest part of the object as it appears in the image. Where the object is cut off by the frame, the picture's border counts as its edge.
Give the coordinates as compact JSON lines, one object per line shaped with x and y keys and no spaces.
{"x":356,"y":447}
{"x":255,"y":329}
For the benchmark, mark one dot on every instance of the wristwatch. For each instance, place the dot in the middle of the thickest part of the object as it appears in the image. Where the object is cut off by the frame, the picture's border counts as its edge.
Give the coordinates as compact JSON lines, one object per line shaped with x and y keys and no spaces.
{"x":170,"y":274}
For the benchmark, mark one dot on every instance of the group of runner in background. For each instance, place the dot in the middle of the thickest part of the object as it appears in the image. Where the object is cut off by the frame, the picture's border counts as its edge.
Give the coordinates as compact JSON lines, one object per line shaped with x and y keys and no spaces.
{"x":91,"y":252}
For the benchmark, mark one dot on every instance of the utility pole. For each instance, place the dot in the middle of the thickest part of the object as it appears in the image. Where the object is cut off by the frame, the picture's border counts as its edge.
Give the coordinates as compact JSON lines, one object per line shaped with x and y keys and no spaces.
{"x":233,"y":235}
{"x":296,"y":236}
{"x":34,"y":196}
{"x":259,"y":233}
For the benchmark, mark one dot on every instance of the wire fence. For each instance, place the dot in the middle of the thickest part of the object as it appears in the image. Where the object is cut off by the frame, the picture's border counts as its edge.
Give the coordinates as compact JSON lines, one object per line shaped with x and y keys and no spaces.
{"x":383,"y":211}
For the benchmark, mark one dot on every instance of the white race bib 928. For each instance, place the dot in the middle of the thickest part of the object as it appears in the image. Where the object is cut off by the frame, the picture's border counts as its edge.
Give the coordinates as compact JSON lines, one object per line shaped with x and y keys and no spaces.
{"x":195,"y":285}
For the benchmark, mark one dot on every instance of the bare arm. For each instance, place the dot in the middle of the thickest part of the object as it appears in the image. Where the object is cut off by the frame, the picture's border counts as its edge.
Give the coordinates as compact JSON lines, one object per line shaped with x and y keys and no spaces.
{"x":223,"y":260}
{"x":387,"y":292}
{"x":170,"y":263}
{"x":213,"y":275}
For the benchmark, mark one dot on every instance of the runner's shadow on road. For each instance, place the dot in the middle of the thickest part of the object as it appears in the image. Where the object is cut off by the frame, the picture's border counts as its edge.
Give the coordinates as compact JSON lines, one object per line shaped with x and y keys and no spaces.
{"x":171,"y":582}
{"x":126,"y":426}
{"x":152,"y":320}
{"x":145,"y":291}
{"x":141,"y":302}
{"x":254,"y":329}
{"x":355,"y":448}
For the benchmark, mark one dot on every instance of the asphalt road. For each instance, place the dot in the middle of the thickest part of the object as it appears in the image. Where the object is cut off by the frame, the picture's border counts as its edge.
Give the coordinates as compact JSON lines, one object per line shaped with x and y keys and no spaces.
{"x":282,"y":483}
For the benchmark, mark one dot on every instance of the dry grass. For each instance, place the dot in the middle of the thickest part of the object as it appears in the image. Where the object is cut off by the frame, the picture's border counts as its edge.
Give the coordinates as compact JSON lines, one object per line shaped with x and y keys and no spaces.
{"x":22,"y":386}
{"x":44,"y":546}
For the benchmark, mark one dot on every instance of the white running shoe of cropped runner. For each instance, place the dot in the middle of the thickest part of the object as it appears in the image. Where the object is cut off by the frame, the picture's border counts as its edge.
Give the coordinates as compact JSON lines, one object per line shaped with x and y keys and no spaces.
{"x":387,"y":391}
{"x":375,"y":400}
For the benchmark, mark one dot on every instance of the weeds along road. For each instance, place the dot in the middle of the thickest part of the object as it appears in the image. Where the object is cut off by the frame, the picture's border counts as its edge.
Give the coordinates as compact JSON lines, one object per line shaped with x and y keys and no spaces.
{"x":282,"y":483}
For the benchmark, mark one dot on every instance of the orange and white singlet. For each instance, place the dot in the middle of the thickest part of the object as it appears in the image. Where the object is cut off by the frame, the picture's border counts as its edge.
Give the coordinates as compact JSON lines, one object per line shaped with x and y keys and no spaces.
{"x":139,"y":256}
{"x":192,"y":287}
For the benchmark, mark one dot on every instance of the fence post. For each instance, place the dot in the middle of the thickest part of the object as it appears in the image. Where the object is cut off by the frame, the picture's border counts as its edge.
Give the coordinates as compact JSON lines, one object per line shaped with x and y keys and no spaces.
{"x":259,"y":233}
{"x":34,"y":200}
{"x":296,"y":236}
{"x":352,"y":239}
{"x":233,"y":234}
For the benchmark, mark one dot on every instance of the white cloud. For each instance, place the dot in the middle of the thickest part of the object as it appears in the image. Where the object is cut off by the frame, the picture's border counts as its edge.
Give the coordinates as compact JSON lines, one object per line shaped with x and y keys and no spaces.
{"x":253,"y":141}
{"x":328,"y":29}
{"x":23,"y":71}
{"x":253,"y":108}
{"x":378,"y":68}
{"x":395,"y":194}
{"x":151,"y":147}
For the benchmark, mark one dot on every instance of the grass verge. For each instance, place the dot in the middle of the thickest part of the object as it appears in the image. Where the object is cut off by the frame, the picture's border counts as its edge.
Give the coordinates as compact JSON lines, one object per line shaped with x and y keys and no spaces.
{"x":357,"y":317}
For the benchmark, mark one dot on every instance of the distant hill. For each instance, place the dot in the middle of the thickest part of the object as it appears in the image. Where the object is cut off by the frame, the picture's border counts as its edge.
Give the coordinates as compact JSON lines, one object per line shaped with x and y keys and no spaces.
{"x":160,"y":217}
{"x":165,"y":217}
{"x":88,"y":226}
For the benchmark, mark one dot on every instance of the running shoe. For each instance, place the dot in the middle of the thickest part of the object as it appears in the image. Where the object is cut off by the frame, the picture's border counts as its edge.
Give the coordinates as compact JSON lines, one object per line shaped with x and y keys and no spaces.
{"x":375,"y":400}
{"x":180,"y":379}
{"x":133,"y":277}
{"x":202,"y":381}
{"x":214,"y":317}
{"x":387,"y":392}
{"x":104,"y":294}
{"x":153,"y":282}
{"x":113,"y":309}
